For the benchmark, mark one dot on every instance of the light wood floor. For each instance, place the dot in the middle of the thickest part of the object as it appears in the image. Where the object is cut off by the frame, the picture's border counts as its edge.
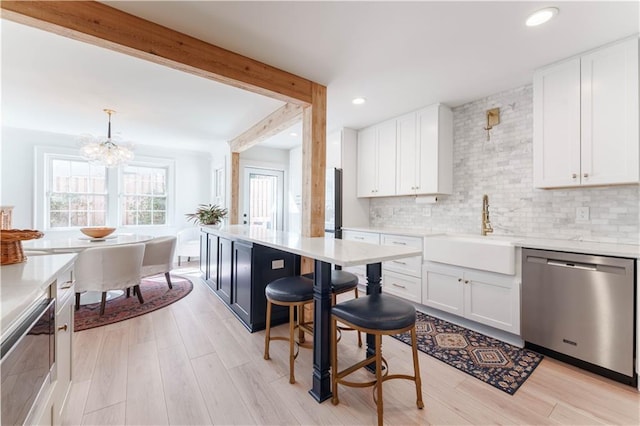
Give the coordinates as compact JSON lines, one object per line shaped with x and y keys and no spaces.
{"x":194,"y":363}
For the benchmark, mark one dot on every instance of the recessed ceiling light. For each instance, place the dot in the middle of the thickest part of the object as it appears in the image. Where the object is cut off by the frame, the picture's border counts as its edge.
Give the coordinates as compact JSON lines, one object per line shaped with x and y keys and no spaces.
{"x":358,"y":101}
{"x":541,"y":16}
{"x":293,"y":134}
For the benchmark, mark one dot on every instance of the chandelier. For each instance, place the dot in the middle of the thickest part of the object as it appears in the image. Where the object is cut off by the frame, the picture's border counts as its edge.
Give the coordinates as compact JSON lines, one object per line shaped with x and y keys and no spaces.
{"x":106,"y":152}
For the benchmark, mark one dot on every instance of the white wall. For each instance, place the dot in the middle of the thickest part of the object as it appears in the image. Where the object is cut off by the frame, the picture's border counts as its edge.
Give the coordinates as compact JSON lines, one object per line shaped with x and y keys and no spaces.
{"x":193,"y":179}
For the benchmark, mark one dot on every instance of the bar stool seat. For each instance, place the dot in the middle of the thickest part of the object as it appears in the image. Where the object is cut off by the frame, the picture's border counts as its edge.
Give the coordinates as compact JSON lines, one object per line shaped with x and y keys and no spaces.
{"x":290,"y":289}
{"x":342,"y":281}
{"x":293,"y":292}
{"x":377,"y":314}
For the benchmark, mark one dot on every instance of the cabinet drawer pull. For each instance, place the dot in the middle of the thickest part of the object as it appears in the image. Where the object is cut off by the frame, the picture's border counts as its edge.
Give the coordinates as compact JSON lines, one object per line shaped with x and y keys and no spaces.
{"x":66,"y":284}
{"x":359,"y":238}
{"x":586,"y":175}
{"x":401,"y":243}
{"x":574,"y":176}
{"x":398,"y":285}
{"x":63,"y":327}
{"x":397,"y":261}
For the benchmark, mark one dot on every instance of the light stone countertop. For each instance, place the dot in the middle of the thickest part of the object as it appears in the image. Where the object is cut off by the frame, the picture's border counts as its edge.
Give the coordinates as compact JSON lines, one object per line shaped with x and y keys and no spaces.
{"x":414,"y":232}
{"x":23,"y":285}
{"x":587,"y":247}
{"x":338,"y":252}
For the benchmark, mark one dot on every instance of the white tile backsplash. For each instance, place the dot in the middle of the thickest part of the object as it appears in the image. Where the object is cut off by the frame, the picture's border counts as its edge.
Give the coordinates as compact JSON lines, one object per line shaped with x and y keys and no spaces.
{"x":503,"y":169}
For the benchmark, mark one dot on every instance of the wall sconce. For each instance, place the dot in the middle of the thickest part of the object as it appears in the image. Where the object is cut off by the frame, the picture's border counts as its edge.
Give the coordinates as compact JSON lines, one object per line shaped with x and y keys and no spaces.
{"x":493,"y":119}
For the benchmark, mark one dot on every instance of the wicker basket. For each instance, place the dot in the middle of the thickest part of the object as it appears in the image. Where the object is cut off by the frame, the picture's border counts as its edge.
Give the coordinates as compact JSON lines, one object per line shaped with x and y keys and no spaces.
{"x":11,"y":244}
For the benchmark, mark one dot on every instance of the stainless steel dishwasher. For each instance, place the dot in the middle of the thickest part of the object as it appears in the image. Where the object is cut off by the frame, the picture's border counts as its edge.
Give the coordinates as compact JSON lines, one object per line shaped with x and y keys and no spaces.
{"x":580,"y":309}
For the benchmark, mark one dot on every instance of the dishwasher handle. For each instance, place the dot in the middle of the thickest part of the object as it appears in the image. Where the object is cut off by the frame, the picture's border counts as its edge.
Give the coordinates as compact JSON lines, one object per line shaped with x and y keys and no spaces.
{"x":573,"y":265}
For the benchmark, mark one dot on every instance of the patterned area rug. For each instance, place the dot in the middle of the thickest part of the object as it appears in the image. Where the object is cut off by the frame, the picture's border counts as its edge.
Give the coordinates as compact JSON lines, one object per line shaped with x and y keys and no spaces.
{"x":497,"y":363}
{"x":156,"y":295}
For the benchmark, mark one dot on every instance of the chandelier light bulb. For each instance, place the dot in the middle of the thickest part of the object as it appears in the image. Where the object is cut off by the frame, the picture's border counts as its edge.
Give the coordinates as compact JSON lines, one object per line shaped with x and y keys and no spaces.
{"x":105,"y":152}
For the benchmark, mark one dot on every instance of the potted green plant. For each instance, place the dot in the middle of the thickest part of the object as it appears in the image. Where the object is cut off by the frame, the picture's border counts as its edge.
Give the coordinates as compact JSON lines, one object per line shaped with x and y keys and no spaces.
{"x":208,"y":214}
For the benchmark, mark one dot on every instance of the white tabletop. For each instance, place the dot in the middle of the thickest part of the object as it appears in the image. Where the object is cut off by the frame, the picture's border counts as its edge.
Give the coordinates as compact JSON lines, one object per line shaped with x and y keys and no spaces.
{"x":81,"y":242}
{"x":338,"y":252}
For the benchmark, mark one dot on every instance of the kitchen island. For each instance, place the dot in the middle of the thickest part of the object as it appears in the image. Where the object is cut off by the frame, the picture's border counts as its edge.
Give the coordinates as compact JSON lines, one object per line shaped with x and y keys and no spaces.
{"x":324,"y":252}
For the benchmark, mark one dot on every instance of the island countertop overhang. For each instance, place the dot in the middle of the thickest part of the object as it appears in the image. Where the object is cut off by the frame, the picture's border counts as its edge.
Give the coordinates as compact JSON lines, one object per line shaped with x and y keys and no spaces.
{"x":338,"y":252}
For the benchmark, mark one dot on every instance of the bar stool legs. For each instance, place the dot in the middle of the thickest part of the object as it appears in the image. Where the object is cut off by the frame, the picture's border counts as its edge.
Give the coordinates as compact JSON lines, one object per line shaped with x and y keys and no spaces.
{"x":338,"y":377}
{"x":334,"y":297}
{"x":293,"y":325}
{"x":293,"y":292}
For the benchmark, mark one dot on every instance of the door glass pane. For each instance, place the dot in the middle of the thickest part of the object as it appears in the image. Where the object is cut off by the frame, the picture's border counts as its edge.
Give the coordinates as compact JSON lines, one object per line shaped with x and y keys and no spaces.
{"x":263,"y":200}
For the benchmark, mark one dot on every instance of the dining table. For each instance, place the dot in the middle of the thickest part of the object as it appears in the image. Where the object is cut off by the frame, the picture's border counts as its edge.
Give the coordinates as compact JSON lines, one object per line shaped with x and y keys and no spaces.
{"x":325,"y":252}
{"x":75,"y":244}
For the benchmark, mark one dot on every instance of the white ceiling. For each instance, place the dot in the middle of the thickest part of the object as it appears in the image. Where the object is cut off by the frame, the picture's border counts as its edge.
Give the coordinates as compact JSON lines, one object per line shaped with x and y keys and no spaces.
{"x":399,"y":56}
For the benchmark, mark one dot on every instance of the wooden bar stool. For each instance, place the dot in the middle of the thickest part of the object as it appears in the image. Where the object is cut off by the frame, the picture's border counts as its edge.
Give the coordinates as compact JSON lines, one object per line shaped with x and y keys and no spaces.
{"x":293,"y":292}
{"x":377,"y":314}
{"x":342,"y":282}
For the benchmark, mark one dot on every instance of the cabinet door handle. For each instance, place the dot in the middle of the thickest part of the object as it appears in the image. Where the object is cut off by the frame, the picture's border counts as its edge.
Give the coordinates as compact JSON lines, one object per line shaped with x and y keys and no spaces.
{"x":63,"y":327}
{"x":459,"y":280}
{"x":397,"y":285}
{"x":466,"y":281}
{"x":574,"y":176}
{"x":359,"y":238}
{"x":397,"y":261}
{"x":66,"y":284}
{"x":586,"y":175}
{"x":399,"y":243}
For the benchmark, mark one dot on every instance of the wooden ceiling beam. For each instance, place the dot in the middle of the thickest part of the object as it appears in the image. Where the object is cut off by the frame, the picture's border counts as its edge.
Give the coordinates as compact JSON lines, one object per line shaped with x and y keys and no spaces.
{"x":274,"y":123}
{"x":107,"y":27}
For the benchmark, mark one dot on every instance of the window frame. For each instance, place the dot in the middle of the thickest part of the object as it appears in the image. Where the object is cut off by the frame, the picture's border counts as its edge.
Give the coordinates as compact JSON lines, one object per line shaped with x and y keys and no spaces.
{"x":44,"y":155}
{"x":158,"y":163}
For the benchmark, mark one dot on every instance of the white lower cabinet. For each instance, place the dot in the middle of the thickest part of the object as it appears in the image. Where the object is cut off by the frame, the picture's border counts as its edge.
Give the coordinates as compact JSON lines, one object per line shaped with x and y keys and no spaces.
{"x":485,"y":297}
{"x":64,"y":335}
{"x":401,"y":285}
{"x":442,"y":288}
{"x":400,"y":277}
{"x":363,"y":237}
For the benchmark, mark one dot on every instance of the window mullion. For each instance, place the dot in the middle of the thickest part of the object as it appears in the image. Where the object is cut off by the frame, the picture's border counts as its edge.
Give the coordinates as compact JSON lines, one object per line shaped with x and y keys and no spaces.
{"x":113,"y":197}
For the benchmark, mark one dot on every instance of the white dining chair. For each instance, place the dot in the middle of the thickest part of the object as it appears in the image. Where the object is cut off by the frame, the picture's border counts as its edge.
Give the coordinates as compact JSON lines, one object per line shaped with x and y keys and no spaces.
{"x":109,"y":268}
{"x":188,"y":243}
{"x":158,"y":257}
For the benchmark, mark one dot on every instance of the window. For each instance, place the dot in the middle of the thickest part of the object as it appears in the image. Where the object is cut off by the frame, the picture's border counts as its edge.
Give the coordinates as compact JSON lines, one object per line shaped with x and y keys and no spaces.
{"x":73,"y":193}
{"x":78,"y":194}
{"x":144,"y":200}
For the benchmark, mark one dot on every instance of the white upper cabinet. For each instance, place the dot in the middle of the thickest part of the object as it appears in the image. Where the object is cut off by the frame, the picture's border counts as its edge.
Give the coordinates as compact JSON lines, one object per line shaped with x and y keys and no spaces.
{"x":586,"y":122}
{"x":420,"y":143}
{"x":408,"y":152}
{"x":556,"y":125}
{"x":377,"y":160}
{"x":435,"y":150}
{"x":609,"y":107}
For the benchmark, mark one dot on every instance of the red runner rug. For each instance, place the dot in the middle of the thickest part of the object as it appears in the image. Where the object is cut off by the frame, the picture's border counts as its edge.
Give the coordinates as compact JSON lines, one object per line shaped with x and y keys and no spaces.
{"x":156,"y":295}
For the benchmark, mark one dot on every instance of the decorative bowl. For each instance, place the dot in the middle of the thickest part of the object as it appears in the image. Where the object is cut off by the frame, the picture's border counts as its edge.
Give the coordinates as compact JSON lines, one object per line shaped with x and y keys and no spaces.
{"x":97,"y":232}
